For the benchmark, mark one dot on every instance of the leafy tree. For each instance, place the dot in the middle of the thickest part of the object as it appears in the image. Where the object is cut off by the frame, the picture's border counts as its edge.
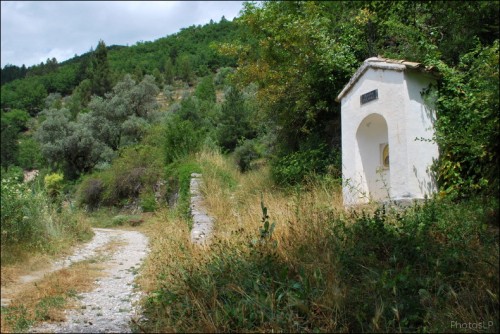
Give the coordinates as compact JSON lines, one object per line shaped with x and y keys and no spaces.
{"x":138,"y":73}
{"x":467,"y":127}
{"x":53,"y":100}
{"x":122,"y":109}
{"x":83,"y":67}
{"x":29,"y":154}
{"x":81,"y":97}
{"x":51,"y":65}
{"x":12,"y":72}
{"x":18,"y":118}
{"x":27,"y":94}
{"x":70,"y":145}
{"x":222,"y":76}
{"x":299,"y":66}
{"x":416,"y":30}
{"x":133,"y":129}
{"x":158,"y":77}
{"x":182,"y":137}
{"x":190,"y":110}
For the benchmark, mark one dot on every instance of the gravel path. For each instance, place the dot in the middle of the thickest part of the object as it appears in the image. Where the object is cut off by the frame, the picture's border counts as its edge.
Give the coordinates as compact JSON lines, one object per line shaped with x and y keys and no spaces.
{"x":111,"y":305}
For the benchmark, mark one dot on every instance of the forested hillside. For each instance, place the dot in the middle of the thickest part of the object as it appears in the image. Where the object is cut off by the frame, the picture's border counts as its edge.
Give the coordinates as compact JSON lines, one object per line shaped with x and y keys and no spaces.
{"x":251,"y":103}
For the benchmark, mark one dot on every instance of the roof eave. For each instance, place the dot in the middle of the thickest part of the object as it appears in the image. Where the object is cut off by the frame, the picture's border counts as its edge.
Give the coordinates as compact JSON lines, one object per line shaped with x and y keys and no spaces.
{"x":384,"y":64}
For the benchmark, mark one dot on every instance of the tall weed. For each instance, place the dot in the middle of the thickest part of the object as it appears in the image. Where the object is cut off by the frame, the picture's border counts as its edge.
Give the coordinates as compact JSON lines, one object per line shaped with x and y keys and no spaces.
{"x":31,"y":221}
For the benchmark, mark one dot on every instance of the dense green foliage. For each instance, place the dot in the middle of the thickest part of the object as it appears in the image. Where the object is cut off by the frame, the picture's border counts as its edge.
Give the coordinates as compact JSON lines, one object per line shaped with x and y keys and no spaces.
{"x":301,"y":54}
{"x":12,"y":72}
{"x":235,"y":121}
{"x":119,"y":119}
{"x":31,"y":219}
{"x":133,"y":175}
{"x":189,"y":52}
{"x":416,"y":261}
{"x":295,"y":167}
{"x":12,"y":123}
{"x":468,"y":123}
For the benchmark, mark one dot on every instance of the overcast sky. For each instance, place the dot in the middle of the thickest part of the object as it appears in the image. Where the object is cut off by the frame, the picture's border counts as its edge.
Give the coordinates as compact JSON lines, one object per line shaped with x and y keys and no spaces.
{"x":33,"y":31}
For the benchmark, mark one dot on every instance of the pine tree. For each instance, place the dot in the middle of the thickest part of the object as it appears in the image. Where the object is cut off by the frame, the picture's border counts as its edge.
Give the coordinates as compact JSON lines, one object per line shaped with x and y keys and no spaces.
{"x":99,"y":70}
{"x":169,"y":71}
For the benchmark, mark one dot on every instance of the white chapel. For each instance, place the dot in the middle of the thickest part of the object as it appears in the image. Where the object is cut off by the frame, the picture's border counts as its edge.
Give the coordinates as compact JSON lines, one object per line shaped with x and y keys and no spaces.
{"x":387,"y":131}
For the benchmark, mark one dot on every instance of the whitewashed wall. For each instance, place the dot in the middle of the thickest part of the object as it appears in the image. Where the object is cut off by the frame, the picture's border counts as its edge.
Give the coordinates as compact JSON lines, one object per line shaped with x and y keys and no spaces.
{"x":397,"y":117}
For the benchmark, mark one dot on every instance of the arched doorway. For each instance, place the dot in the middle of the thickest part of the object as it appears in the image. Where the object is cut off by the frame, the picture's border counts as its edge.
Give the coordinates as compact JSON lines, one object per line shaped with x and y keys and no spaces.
{"x":374,"y":150}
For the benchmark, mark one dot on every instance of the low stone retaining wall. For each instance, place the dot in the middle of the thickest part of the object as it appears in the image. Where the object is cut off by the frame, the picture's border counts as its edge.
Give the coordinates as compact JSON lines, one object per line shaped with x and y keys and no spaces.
{"x":202,"y":222}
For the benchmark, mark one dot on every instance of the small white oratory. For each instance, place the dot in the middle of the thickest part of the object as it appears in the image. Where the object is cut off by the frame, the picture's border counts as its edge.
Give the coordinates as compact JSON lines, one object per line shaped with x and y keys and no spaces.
{"x":387,"y":131}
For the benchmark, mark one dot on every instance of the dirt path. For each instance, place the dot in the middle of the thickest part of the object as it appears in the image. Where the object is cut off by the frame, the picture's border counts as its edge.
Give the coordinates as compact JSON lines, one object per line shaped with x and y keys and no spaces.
{"x":111,"y":305}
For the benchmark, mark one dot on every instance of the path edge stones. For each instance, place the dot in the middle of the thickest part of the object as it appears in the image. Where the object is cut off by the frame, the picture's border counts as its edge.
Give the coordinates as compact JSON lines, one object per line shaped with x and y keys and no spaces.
{"x":202,"y":223}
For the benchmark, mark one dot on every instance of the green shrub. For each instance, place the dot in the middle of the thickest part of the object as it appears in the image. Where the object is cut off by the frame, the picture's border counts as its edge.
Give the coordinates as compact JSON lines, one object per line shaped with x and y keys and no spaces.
{"x":295,"y":167}
{"x":29,"y":154}
{"x":23,"y":212}
{"x":223,"y":75}
{"x":245,"y":154}
{"x":53,"y":184}
{"x":135,"y":171}
{"x":235,"y":123}
{"x":91,"y":192}
{"x":148,"y":202}
{"x":29,"y":220}
{"x":420,"y":267}
{"x":181,"y":139}
{"x":205,"y":90}
{"x":17,"y":117}
{"x":13,"y":172}
{"x":467,"y":129}
{"x":119,"y":220}
{"x":179,"y":174}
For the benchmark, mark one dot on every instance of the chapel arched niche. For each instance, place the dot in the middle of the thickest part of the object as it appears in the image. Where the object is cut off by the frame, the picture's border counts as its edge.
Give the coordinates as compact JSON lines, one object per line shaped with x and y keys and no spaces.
{"x":374,"y":150}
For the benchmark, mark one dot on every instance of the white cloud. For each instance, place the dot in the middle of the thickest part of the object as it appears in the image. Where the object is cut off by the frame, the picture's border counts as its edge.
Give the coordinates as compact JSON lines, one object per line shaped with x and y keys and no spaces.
{"x":32,"y":31}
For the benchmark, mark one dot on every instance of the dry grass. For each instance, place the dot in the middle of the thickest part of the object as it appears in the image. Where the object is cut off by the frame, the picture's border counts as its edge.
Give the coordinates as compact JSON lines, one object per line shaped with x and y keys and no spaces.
{"x":299,"y":216}
{"x":237,"y":210}
{"x":46,"y":299}
{"x":169,"y":243}
{"x":324,"y":270}
{"x":234,"y":201}
{"x":26,"y":264}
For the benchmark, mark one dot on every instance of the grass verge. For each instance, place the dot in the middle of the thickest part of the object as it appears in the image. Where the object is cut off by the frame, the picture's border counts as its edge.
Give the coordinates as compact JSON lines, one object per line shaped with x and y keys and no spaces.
{"x":298,"y":262}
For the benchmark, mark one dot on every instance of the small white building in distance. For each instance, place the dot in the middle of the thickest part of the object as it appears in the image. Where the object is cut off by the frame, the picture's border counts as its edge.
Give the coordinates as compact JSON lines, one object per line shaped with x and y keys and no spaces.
{"x":387,"y":131}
